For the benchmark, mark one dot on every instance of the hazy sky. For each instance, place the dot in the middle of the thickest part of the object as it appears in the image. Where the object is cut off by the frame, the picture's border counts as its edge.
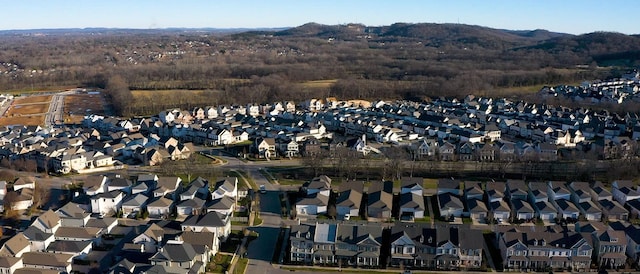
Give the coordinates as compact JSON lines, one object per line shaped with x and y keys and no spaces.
{"x":571,"y":16}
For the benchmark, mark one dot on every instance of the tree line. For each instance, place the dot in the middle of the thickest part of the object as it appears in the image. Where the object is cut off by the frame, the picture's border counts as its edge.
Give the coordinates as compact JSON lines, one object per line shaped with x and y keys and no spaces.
{"x":263,"y":68}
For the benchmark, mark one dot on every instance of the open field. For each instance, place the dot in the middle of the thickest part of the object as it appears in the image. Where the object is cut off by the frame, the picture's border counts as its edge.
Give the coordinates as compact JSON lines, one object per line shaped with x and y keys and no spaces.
{"x":33,"y":99}
{"x":18,"y":110}
{"x":78,"y":105}
{"x":24,"y":120}
{"x":319,"y":83}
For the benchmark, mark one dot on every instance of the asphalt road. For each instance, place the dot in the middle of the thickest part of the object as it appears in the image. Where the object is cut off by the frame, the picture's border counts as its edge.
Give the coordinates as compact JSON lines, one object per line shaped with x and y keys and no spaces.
{"x":55,"y":114}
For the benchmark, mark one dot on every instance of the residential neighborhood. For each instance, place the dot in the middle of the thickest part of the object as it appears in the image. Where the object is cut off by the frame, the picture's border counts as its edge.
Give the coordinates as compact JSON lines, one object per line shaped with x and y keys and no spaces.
{"x":153,"y":223}
{"x":105,"y":229}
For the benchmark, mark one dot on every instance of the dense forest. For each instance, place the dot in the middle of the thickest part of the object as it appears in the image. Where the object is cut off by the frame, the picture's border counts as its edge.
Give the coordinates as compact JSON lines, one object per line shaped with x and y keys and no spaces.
{"x":411,"y":61}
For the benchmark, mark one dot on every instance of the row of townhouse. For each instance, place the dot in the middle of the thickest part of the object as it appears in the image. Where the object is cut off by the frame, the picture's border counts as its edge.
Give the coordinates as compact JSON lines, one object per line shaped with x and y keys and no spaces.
{"x":432,"y":149}
{"x":349,"y":199}
{"x":500,"y":202}
{"x":518,"y":201}
{"x":418,"y":246}
{"x":579,"y":248}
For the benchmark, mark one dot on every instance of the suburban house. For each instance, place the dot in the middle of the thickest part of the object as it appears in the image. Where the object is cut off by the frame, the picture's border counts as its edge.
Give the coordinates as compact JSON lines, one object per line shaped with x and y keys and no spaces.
{"x":380,"y":199}
{"x":227,"y":186}
{"x":411,"y":206}
{"x":160,"y":207}
{"x":522,"y":210}
{"x":500,"y":211}
{"x":150,"y":239}
{"x":215,"y":222}
{"x":450,"y":205}
{"x":516,"y":190}
{"x":624,"y":191}
{"x":349,"y":199}
{"x":107,"y":203}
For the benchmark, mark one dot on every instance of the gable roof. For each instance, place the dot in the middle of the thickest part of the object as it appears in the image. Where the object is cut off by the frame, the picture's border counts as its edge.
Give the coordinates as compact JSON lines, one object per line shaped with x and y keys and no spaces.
{"x":14,"y":245}
{"x":211,"y":219}
{"x":380,"y":194}
{"x":49,"y":219}
{"x":175,"y":253}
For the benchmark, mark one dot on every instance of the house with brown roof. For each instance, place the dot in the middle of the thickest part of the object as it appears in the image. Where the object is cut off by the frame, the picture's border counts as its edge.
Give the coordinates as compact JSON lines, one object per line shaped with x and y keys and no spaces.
{"x":150,"y":239}
{"x":8,"y":265}
{"x":46,"y":260}
{"x":48,"y":222}
{"x":15,"y":246}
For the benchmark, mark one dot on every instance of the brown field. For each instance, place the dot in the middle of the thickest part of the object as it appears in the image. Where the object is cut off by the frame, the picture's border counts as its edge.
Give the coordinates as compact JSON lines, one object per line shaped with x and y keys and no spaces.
{"x":33,"y":99}
{"x":23,"y":120}
{"x":76,"y":106}
{"x":18,"y":110}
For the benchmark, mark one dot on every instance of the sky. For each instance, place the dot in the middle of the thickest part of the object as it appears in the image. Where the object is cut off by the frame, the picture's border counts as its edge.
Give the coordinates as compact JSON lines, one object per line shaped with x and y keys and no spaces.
{"x":569,"y":16}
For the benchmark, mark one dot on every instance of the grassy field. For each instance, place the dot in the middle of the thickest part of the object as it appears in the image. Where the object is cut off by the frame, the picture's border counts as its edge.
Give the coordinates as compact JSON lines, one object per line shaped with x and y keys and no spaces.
{"x":319,"y":83}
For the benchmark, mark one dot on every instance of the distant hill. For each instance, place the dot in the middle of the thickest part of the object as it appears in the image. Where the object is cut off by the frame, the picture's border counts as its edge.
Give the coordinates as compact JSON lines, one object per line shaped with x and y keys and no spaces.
{"x":428,"y":33}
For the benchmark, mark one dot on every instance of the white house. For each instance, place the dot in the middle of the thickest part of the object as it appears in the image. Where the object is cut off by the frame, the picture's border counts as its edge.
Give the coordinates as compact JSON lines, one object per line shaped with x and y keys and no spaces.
{"x":160,"y":207}
{"x":107,"y":203}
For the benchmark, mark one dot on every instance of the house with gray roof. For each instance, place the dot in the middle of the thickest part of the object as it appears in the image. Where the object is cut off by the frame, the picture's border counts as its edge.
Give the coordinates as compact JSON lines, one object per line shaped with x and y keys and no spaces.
{"x":190,"y":207}
{"x":71,"y":214}
{"x":442,"y":247}
{"x":500,"y":211}
{"x":450,"y":205}
{"x":613,"y":211}
{"x":566,"y":209}
{"x":411,"y":206}
{"x":160,"y":207}
{"x":522,"y":210}
{"x":349,"y":199}
{"x":590,"y":211}
{"x":133,"y":204}
{"x":227,"y":186}
{"x":211,"y":221}
{"x":380,"y":200}
{"x":473,"y":190}
{"x":38,"y":239}
{"x":478,"y":210}
{"x":179,"y":255}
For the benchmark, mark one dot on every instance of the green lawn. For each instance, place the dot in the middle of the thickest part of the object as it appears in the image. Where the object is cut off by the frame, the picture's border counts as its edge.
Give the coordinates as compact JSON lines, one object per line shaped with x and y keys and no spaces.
{"x":241,"y":266}
{"x":430,"y":183}
{"x":257,"y":220}
{"x":426,"y":219}
{"x":243,"y":176}
{"x":220,"y":263}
